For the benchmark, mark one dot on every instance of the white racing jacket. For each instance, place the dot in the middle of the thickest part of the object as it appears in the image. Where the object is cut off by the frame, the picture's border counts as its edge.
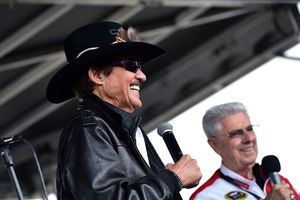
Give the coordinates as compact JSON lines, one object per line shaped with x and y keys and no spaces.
{"x":236,"y":187}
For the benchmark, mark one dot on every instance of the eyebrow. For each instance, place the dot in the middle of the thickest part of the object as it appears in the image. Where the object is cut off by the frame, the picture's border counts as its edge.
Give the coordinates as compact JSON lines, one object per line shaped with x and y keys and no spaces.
{"x":249,"y":126}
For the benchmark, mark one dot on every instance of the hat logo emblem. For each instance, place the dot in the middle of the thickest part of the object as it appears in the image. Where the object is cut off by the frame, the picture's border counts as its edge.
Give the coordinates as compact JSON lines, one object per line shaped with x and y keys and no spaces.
{"x":113,"y":31}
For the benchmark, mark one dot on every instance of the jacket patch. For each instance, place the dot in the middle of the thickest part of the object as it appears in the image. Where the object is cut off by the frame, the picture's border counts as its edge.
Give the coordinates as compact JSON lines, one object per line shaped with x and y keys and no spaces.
{"x":235,"y":195}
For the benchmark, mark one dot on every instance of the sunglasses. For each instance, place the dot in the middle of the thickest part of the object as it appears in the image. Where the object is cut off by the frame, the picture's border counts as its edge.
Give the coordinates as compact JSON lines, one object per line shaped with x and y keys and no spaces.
{"x":129,"y":65}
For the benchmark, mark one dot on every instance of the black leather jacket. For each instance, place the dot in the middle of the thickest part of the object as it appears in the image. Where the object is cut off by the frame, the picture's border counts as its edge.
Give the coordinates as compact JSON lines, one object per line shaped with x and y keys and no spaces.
{"x":98,"y":158}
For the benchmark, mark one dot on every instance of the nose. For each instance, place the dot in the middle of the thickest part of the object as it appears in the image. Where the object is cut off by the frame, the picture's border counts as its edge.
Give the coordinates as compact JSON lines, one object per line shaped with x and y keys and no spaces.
{"x":140,"y":75}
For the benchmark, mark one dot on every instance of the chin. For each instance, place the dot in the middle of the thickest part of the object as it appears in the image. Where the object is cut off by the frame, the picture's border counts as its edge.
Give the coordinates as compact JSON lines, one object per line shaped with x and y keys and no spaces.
{"x":136,"y":104}
{"x":251,"y":160}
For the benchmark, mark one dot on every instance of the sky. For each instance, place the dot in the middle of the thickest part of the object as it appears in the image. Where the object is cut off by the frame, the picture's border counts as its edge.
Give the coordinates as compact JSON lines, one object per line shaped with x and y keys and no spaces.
{"x":270,"y":94}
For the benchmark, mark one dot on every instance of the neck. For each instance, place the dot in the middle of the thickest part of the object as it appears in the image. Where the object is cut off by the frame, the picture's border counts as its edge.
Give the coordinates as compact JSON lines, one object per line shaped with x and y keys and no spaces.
{"x":246,"y":173}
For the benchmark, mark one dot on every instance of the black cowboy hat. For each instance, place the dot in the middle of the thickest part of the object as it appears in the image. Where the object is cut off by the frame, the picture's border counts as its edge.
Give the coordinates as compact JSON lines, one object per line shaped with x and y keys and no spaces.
{"x":94,"y":43}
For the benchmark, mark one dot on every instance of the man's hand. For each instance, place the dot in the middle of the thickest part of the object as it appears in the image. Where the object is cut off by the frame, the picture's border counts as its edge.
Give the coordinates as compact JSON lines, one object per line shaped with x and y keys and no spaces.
{"x":187,"y":170}
{"x":280,"y":192}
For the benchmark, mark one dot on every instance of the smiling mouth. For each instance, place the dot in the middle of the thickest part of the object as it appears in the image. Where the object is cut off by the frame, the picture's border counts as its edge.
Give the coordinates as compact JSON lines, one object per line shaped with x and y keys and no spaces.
{"x":134,"y":87}
{"x":249,"y":148}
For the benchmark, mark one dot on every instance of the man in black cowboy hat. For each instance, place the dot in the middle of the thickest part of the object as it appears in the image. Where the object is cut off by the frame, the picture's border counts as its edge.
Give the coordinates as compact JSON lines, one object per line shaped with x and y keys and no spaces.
{"x":103,"y":153}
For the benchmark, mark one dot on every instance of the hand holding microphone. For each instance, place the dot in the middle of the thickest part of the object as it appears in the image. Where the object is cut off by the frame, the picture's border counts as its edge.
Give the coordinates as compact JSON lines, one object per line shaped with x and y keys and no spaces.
{"x":280,"y":190}
{"x":185,"y":166}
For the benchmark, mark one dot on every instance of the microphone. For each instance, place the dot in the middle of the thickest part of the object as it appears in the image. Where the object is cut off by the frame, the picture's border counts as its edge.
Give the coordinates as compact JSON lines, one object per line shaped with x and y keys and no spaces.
{"x":271,"y":165}
{"x":166,"y":131}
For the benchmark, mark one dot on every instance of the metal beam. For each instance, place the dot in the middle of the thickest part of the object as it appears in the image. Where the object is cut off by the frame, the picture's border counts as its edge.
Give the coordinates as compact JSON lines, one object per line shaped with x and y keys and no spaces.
{"x":75,"y":2}
{"x":224,"y":3}
{"x":32,"y":28}
{"x":25,"y":81}
{"x":30,"y":61}
{"x":183,"y":18}
{"x":125,"y":13}
{"x":153,"y":36}
{"x":31,"y":118}
{"x":209,"y":3}
{"x":223,"y":16}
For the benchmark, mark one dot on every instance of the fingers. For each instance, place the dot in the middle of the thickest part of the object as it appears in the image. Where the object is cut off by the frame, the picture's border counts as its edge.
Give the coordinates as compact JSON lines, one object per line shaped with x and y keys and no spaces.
{"x":281,"y":192}
{"x":187,"y":169}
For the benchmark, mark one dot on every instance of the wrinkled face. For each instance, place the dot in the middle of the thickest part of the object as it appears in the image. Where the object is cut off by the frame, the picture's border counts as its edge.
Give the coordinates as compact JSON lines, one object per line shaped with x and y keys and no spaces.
{"x":120,"y":88}
{"x":237,"y":142}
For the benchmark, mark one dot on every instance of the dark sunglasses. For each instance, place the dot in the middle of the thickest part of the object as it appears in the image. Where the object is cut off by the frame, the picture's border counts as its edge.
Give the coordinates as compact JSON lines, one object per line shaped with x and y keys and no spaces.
{"x":129,"y":65}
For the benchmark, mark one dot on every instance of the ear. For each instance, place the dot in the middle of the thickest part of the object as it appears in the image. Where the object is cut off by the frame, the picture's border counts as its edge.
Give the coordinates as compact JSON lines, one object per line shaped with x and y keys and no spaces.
{"x":214,"y":144}
{"x":96,"y":76}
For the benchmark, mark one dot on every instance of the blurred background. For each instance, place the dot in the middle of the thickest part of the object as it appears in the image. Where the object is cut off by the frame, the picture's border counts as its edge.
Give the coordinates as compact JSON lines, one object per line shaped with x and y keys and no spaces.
{"x":212,"y":45}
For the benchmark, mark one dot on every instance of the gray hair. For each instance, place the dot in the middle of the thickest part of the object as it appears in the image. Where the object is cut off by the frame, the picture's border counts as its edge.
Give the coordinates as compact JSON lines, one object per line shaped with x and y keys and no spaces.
{"x":211,"y":119}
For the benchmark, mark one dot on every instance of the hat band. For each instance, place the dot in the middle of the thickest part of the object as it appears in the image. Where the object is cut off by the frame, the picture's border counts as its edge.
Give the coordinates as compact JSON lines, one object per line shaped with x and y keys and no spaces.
{"x":88,"y":49}
{"x":118,"y":40}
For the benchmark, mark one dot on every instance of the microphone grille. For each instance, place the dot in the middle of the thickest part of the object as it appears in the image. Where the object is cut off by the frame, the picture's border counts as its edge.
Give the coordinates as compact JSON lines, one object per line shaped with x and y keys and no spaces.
{"x":164,"y":127}
{"x":270,"y":164}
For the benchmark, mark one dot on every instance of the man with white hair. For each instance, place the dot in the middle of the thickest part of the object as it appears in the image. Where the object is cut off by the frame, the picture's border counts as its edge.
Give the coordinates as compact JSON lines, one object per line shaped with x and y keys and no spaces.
{"x":231,"y":135}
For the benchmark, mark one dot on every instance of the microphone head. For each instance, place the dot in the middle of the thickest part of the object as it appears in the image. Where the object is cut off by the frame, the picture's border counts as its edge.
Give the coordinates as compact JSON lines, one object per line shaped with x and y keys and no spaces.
{"x":164,"y":127}
{"x":270,"y":164}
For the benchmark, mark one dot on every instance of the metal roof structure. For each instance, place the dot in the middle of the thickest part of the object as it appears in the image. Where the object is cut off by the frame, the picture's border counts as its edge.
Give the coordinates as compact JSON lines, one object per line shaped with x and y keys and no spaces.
{"x":209,"y":44}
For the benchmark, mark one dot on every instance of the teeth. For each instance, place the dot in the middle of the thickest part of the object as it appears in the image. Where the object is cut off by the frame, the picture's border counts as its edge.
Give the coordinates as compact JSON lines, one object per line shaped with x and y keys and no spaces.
{"x":135,"y":87}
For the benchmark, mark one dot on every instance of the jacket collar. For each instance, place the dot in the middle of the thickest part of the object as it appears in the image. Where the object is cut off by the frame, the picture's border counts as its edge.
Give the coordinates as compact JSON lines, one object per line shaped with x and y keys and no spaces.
{"x":127,"y":121}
